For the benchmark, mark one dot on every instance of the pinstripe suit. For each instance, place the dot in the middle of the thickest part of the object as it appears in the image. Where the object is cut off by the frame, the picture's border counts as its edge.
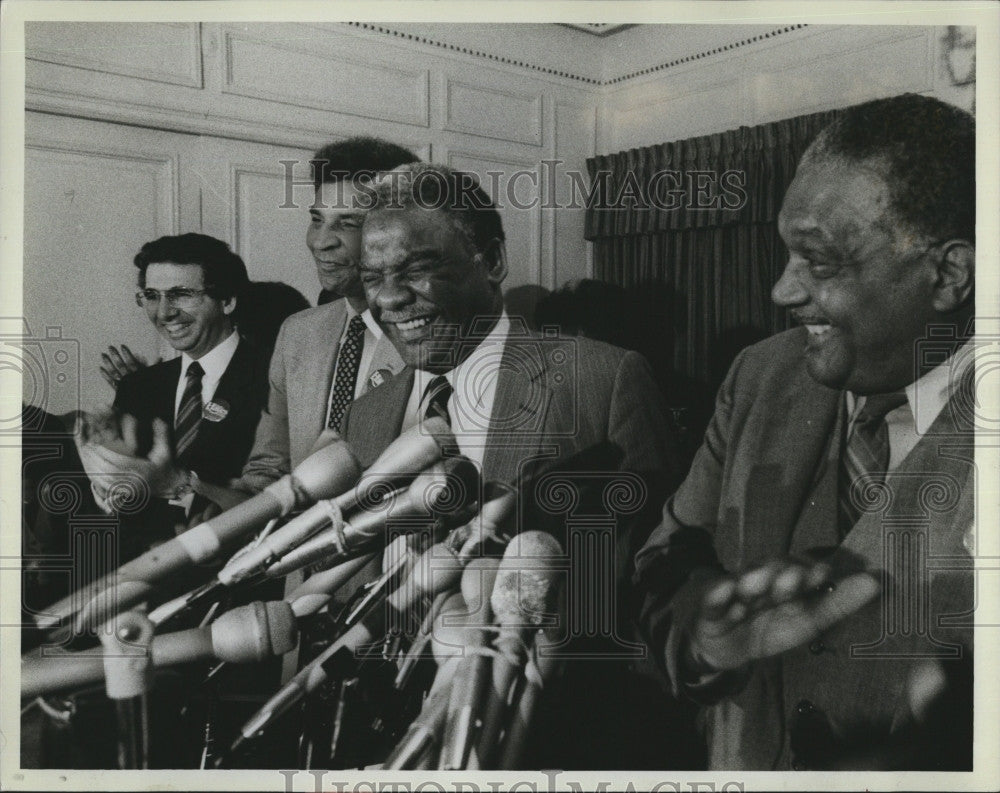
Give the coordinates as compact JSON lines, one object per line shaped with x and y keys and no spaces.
{"x":582,"y":412}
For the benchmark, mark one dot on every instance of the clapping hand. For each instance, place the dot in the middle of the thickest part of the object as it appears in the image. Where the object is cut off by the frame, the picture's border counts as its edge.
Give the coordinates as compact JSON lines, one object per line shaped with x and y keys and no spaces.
{"x":770,"y":609}
{"x":117,"y":364}
{"x":109,"y":457}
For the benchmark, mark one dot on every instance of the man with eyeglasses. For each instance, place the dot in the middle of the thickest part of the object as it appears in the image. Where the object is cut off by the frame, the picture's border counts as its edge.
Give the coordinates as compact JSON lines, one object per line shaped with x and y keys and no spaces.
{"x":188,"y":422}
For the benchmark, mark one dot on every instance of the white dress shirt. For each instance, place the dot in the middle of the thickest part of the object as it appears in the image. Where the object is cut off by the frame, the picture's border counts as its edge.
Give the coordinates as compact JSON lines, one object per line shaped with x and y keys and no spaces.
{"x":214,"y":363}
{"x":474,"y":389}
{"x":925,"y":399}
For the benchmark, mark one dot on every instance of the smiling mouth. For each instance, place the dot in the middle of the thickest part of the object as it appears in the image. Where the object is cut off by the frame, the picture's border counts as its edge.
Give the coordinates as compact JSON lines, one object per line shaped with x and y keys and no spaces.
{"x":414,"y":324}
{"x":173,"y":328}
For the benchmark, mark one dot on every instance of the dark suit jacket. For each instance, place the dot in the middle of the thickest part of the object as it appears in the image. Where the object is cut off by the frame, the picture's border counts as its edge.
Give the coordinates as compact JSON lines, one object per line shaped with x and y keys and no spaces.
{"x":764,"y":485}
{"x":572,"y":415}
{"x":220,"y":448}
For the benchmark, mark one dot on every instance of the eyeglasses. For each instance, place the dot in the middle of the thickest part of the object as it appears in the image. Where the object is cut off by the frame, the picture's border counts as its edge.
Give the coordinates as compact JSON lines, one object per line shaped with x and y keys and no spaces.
{"x":178,"y":297}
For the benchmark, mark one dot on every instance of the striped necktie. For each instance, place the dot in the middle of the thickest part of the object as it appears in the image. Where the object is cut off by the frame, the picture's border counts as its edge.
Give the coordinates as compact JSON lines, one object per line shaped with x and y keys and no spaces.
{"x":348,"y":361}
{"x":436,"y":398}
{"x":189,"y":412}
{"x":865,"y":458}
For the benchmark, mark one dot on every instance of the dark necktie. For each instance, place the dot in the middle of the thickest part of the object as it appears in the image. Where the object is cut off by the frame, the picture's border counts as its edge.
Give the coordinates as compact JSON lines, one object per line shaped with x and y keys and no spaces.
{"x":348,"y":360}
{"x":436,"y":398}
{"x":865,"y":455}
{"x":189,"y":412}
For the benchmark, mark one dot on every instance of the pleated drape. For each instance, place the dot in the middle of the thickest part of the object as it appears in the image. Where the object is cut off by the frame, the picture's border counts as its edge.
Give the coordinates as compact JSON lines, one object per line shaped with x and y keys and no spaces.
{"x":713,"y":266}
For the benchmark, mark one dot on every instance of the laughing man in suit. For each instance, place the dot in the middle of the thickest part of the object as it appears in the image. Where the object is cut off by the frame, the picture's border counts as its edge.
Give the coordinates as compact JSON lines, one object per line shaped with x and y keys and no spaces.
{"x":781,"y":591}
{"x":326,"y":356}
{"x":189,"y":421}
{"x":586,"y":412}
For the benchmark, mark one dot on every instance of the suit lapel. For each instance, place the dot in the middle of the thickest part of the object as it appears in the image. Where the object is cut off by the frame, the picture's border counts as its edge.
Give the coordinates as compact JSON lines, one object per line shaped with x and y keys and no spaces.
{"x":312,"y":382}
{"x":372,"y":424}
{"x":794,"y":456}
{"x":385,"y":357}
{"x":931,"y":488}
{"x":520,"y":411}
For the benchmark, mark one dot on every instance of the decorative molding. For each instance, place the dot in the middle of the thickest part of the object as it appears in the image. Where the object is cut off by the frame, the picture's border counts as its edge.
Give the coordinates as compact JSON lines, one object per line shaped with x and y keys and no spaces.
{"x":534,"y":136}
{"x":472,"y":52}
{"x":704,"y":54}
{"x":417,"y":116}
{"x":116,"y":155}
{"x":469,"y":51}
{"x":196,"y":121}
{"x":599,"y":29}
{"x":193,"y":79}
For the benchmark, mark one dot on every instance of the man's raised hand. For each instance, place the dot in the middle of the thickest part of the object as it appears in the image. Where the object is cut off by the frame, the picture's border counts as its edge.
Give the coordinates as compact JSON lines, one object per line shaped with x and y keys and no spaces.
{"x":767,"y":610}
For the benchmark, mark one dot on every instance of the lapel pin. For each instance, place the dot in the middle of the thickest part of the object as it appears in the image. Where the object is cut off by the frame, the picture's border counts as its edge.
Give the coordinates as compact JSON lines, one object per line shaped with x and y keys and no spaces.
{"x":215,"y":410}
{"x":378,"y":377}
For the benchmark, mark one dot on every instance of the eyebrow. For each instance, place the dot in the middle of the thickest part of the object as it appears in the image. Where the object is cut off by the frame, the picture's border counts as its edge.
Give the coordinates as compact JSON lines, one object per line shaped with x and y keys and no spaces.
{"x":411,"y":257}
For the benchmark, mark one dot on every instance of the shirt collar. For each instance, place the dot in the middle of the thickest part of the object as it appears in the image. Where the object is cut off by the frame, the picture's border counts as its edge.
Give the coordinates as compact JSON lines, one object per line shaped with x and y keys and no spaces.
{"x":215,"y":361}
{"x":366,"y":315}
{"x":492,"y":343}
{"x":928,"y":394}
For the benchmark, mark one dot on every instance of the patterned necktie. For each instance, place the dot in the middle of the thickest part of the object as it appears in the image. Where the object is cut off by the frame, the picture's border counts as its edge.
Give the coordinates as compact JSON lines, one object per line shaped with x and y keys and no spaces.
{"x":436,"y":397}
{"x":189,"y":412}
{"x":865,"y":455}
{"x":348,"y":360}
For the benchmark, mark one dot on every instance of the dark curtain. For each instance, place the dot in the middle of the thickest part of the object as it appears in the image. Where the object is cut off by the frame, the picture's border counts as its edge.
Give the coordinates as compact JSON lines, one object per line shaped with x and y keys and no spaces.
{"x":702,"y":275}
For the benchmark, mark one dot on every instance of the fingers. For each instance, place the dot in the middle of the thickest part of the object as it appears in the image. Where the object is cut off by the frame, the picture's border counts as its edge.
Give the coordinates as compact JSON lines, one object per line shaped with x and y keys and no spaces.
{"x":130,"y":433}
{"x":161,"y":453}
{"x":132,"y":361}
{"x":108,"y":377}
{"x":849,"y":596}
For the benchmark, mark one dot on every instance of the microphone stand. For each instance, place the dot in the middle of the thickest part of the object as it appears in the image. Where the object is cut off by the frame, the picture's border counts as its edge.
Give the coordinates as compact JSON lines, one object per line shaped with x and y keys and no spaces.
{"x":128,"y":674}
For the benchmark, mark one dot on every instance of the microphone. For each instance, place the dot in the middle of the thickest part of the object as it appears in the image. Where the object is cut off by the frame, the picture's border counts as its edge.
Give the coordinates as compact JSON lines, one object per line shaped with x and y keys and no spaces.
{"x":425,"y":730}
{"x":540,"y":670}
{"x":411,"y":452}
{"x":243,"y":635}
{"x":419,"y":584}
{"x":325,"y":473}
{"x":444,"y":488}
{"x":472,"y":678}
{"x":524,"y":596}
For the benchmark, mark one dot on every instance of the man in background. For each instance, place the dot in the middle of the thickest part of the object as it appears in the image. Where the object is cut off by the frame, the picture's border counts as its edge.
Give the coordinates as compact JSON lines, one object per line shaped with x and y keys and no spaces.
{"x":780,"y":591}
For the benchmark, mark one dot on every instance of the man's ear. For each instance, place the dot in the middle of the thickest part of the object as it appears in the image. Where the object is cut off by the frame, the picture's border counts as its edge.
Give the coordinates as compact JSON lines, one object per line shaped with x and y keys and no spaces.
{"x":495,"y":258}
{"x":229,"y":305}
{"x":956,"y":275}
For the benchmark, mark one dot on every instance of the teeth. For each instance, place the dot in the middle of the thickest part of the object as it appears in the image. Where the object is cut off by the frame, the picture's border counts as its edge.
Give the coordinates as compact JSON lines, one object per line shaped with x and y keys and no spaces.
{"x":413,"y":324}
{"x":818,"y":330}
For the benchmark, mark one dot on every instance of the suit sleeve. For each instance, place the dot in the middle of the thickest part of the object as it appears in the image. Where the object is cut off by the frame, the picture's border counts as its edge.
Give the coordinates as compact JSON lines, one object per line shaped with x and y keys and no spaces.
{"x":679,"y":558}
{"x":270,"y":457}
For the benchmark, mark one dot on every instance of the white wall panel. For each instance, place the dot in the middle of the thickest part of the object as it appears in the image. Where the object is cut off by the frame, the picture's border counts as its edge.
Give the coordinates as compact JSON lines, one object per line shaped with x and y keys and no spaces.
{"x":92,"y":199}
{"x":503,"y":114}
{"x":279,"y":71}
{"x":165,"y":52}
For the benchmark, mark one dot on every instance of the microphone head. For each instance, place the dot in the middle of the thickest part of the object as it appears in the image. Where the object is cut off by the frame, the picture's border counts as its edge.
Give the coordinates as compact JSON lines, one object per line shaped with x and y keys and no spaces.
{"x":446,"y":486}
{"x":329,"y":471}
{"x":414,"y":450}
{"x":254,"y":632}
{"x":526,"y":586}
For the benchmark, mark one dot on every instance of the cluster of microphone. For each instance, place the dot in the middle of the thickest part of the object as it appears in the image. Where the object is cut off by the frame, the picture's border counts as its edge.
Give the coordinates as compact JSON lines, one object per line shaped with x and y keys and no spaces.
{"x":460,"y":592}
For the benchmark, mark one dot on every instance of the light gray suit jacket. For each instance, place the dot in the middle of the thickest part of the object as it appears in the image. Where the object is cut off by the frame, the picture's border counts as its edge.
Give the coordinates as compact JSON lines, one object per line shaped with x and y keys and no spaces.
{"x":301,"y":373}
{"x":764,"y":485}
